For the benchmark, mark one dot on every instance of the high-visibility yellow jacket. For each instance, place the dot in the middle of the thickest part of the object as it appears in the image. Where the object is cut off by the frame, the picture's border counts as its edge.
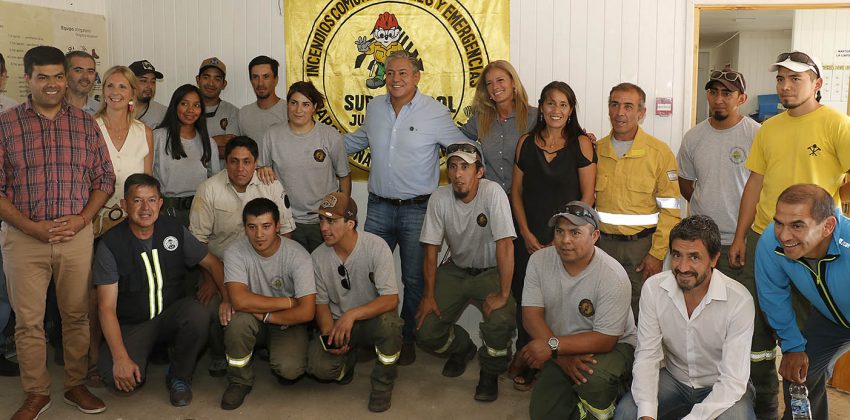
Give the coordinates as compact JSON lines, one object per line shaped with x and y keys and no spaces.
{"x":639,"y":190}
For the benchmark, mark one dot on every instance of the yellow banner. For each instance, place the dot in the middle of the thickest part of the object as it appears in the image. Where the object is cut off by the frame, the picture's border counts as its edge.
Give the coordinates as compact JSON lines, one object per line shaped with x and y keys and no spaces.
{"x":340,"y":46}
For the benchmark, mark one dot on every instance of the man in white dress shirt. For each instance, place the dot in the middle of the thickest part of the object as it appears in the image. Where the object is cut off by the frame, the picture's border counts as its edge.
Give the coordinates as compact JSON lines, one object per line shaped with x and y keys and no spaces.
{"x":700,"y":323}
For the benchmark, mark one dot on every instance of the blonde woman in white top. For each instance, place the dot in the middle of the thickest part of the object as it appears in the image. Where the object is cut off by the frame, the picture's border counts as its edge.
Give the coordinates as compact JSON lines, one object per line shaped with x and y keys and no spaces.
{"x":130,"y":142}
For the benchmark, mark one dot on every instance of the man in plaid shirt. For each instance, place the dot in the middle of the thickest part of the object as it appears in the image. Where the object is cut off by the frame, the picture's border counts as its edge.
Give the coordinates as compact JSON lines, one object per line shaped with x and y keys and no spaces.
{"x":55,"y":176}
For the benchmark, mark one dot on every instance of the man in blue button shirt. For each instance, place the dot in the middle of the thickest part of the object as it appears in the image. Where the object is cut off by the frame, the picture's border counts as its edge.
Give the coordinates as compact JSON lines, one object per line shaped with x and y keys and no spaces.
{"x":808,"y":246}
{"x":404,"y":129}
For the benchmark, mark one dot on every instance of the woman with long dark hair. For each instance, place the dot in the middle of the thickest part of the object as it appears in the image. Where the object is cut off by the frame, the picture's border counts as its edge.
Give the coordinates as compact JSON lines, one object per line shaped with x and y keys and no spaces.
{"x":184,"y":153}
{"x":555,"y":164}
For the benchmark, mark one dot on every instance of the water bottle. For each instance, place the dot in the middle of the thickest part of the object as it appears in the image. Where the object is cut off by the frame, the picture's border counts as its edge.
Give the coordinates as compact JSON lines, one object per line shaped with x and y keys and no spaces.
{"x":800,"y":409}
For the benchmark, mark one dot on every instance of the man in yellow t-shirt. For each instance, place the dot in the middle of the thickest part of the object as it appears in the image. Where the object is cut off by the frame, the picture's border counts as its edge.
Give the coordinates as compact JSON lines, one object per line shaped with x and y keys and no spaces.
{"x":808,"y":143}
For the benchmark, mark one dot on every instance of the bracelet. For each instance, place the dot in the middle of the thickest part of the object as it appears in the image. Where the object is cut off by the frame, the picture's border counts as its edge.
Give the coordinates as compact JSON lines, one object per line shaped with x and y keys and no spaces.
{"x":266,"y":318}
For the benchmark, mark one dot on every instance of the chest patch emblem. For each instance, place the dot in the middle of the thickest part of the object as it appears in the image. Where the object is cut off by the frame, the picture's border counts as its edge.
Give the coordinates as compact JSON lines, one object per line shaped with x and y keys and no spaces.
{"x":481,"y":220}
{"x":223,"y":123}
{"x":277,"y":283}
{"x":319,"y":155}
{"x":170,"y":243}
{"x":737,"y":155}
{"x":585,"y":307}
{"x":813,"y":150}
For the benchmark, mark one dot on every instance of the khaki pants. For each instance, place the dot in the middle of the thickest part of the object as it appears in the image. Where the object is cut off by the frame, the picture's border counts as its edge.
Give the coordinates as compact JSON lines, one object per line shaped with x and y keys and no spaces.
{"x":630,"y":254}
{"x":383,"y":332}
{"x":287,"y":348}
{"x":29,"y":266}
{"x":308,"y":235}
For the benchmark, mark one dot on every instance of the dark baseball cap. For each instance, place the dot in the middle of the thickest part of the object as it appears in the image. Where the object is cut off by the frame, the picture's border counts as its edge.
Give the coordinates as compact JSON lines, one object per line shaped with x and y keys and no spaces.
{"x":578,"y":213}
{"x":729,"y":78}
{"x":143,"y":67}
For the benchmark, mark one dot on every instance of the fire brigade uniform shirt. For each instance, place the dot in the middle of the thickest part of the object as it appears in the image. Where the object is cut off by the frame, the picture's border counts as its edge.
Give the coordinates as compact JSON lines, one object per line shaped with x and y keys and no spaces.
{"x":371,"y":273}
{"x":470,"y":229}
{"x":254,"y":122}
{"x":225,"y":119}
{"x":289,"y":272}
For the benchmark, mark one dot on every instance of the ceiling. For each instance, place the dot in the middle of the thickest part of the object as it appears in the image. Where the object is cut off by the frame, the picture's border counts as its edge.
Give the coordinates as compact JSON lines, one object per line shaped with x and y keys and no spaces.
{"x":715,"y":27}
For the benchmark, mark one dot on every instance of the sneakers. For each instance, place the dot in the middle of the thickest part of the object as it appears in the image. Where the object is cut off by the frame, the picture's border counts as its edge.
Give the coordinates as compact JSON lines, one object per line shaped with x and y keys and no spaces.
{"x":80,"y":397}
{"x":379,"y":401}
{"x":218,"y":367}
{"x":179,"y":391}
{"x":408,"y":354}
{"x":456,"y":364}
{"x":32,"y":407}
{"x":234,"y":395}
{"x":488,"y":387}
{"x":8,"y":368}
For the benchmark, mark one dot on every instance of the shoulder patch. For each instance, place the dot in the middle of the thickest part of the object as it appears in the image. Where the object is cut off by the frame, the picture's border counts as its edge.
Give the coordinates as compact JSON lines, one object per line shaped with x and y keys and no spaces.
{"x":672,"y":176}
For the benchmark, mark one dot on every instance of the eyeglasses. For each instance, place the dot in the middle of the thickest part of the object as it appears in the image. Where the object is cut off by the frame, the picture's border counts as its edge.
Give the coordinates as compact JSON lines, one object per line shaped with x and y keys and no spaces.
{"x":799,"y":57}
{"x":729,"y":76}
{"x":580,"y":211}
{"x":346,"y":282}
{"x":463,"y":147}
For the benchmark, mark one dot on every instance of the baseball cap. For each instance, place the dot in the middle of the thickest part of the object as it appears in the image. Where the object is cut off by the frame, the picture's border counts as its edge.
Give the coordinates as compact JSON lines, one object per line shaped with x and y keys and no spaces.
{"x":578,"y":213}
{"x":466,"y":151}
{"x":729,"y":78}
{"x":213,"y":62}
{"x":142,"y":67}
{"x":337,"y":205}
{"x":797,"y":61}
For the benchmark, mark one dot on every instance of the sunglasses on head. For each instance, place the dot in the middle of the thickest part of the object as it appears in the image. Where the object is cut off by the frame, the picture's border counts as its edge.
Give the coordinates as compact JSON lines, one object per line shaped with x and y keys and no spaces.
{"x":580,"y":211}
{"x":346,"y":282}
{"x":729,"y":76}
{"x":799,"y":57}
{"x":463,"y":147}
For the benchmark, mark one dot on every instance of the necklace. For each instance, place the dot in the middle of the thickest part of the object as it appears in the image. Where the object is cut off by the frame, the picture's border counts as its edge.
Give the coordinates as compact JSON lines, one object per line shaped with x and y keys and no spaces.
{"x":212,"y":114}
{"x":117,"y":135}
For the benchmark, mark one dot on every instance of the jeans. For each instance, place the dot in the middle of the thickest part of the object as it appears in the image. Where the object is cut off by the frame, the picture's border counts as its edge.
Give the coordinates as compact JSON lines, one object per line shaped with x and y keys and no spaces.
{"x":676,"y":400}
{"x":401,"y":225}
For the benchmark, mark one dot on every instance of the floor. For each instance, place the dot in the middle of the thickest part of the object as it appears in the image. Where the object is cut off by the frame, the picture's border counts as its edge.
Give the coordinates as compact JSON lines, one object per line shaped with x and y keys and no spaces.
{"x":421,"y":392}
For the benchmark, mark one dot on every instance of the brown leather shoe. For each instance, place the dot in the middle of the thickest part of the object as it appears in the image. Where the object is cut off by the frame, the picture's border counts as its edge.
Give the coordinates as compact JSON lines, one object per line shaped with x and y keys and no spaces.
{"x":32,"y":407}
{"x":80,"y":397}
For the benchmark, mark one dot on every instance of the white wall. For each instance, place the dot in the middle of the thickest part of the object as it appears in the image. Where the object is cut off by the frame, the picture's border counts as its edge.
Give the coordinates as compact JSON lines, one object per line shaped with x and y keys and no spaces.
{"x":725,"y":54}
{"x":823,"y":33}
{"x":756,"y":51}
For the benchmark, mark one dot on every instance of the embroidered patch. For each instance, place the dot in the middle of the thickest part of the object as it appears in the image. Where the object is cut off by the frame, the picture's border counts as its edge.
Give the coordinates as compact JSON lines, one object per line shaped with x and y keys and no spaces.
{"x":585,"y":307}
{"x":737,"y":155}
{"x":223,"y":123}
{"x":814,"y":149}
{"x":277,"y":282}
{"x":328,"y":203}
{"x":672,"y":175}
{"x":170,"y":243}
{"x":319,"y":155}
{"x":481,"y":220}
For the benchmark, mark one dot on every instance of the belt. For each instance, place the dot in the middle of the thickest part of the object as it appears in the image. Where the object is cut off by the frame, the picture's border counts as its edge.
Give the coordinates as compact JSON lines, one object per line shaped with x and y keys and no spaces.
{"x":472,"y":271}
{"x":399,"y":202}
{"x":628,"y":238}
{"x":179,"y":203}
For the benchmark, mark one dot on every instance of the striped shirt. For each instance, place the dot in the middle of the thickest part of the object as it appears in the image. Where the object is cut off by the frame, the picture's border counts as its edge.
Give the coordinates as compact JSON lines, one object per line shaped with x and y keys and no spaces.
{"x":49,"y":167}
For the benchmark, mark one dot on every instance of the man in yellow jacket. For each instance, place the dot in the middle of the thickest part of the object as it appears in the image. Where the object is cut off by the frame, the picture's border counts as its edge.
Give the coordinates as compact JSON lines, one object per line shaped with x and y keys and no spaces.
{"x":637,"y":190}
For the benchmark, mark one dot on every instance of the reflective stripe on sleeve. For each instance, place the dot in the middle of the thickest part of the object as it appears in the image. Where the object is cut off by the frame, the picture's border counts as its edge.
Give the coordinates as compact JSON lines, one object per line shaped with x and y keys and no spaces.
{"x":667,"y":203}
{"x":761,"y":356}
{"x":628,"y":219}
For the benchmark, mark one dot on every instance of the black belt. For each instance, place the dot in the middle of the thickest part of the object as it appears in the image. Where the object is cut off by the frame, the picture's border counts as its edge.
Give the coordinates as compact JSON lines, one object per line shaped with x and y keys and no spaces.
{"x":628,"y":238}
{"x":179,"y":203}
{"x":472,"y":271}
{"x":399,"y":202}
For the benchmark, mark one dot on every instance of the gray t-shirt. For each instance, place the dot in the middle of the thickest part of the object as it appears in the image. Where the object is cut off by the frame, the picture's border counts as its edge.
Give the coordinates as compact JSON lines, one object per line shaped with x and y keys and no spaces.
{"x":154,"y":114}
{"x":714,"y":160}
{"x":598,"y":299}
{"x":371,"y":273}
{"x":180,"y":178}
{"x":254,"y":122}
{"x":621,"y":147}
{"x":289,"y":272}
{"x":307,"y":164}
{"x":105,"y":268}
{"x":470,"y":229}
{"x":223,"y":119}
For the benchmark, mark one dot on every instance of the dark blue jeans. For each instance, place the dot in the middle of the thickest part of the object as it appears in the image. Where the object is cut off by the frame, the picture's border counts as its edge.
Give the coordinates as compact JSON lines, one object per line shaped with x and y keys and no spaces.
{"x":401,"y":225}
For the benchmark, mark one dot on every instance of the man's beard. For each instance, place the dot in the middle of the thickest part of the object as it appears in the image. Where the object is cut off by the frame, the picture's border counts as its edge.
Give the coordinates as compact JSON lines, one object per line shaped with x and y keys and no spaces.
{"x":718,"y":116}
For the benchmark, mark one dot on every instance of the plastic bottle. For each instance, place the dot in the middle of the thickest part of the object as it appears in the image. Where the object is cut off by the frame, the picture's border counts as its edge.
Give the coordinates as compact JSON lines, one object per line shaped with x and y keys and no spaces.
{"x":800,"y":408}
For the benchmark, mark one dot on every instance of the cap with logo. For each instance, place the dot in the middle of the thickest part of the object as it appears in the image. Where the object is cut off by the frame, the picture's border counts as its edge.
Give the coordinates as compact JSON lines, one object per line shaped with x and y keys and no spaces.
{"x":143,"y":67}
{"x":337,"y":205}
{"x":729,"y":78}
{"x":213,"y":62}
{"x":797,"y":61}
{"x":578,"y":213}
{"x":464,"y":150}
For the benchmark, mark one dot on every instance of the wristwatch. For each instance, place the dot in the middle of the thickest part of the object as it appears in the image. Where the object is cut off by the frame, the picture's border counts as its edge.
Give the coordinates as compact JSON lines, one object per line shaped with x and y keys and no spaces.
{"x":553,"y":345}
